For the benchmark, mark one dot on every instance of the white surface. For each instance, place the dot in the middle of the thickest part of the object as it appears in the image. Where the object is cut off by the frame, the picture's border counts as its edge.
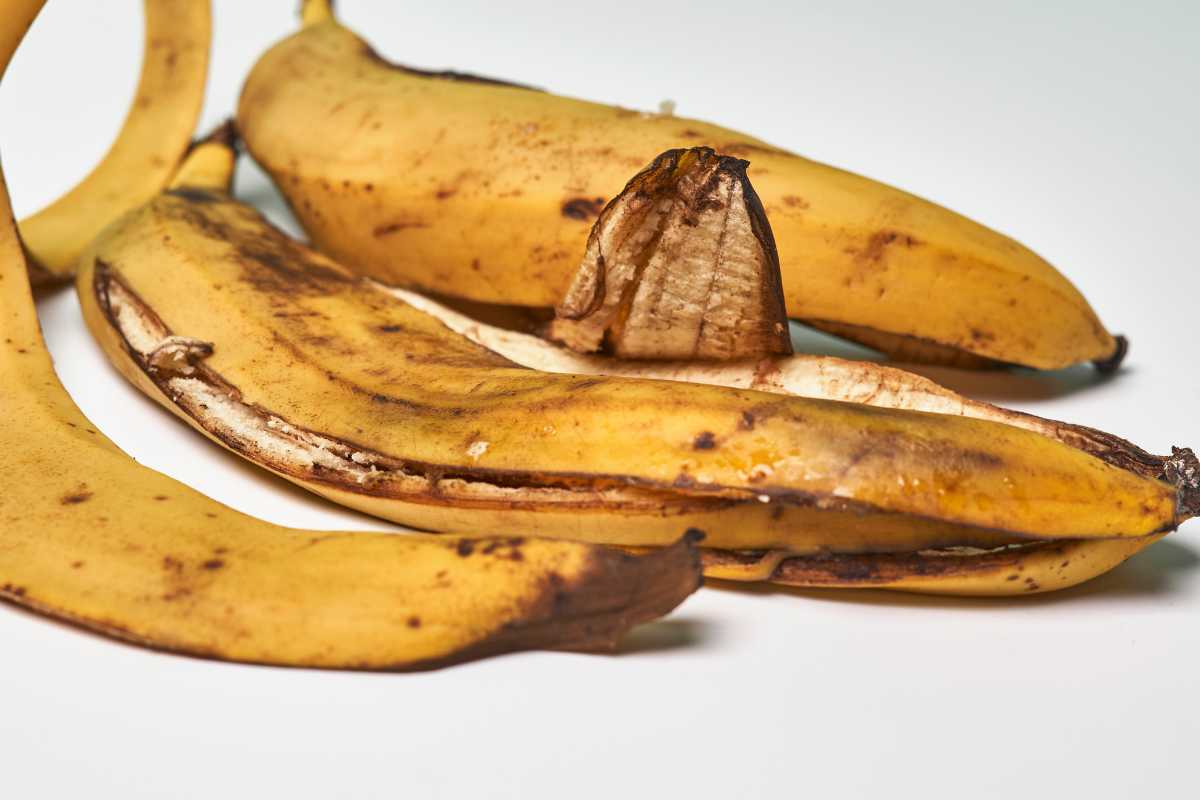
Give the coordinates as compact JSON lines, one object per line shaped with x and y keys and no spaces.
{"x":1072,"y":128}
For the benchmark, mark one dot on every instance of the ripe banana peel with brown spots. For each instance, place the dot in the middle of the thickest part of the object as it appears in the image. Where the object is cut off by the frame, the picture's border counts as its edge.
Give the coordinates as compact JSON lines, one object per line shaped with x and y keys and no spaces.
{"x":483,"y":190}
{"x":90,"y":537}
{"x":153,"y":138}
{"x":337,"y":384}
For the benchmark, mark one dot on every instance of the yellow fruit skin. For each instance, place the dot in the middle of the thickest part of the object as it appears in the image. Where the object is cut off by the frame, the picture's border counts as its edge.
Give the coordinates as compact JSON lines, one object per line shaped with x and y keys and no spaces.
{"x":90,"y":537}
{"x":488,"y":192}
{"x":148,"y":148}
{"x":301,"y":339}
{"x":1029,"y":569}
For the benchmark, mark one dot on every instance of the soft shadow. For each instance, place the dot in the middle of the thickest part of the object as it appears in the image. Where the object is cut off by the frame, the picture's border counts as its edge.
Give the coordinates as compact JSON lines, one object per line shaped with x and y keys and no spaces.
{"x":1016,"y":384}
{"x":811,"y":340}
{"x":47,"y":290}
{"x":1153,"y":573}
{"x":666,"y":635}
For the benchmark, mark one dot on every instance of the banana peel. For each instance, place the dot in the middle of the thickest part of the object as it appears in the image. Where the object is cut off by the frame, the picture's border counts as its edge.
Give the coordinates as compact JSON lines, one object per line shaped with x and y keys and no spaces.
{"x":478,"y":189}
{"x":286,"y":358}
{"x":149,"y":147}
{"x":89,"y":537}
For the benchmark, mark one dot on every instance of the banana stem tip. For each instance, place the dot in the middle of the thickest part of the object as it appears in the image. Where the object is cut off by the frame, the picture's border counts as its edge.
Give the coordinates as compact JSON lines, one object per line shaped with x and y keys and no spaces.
{"x":1182,"y":468}
{"x":1109,"y":365}
{"x":225,"y":134}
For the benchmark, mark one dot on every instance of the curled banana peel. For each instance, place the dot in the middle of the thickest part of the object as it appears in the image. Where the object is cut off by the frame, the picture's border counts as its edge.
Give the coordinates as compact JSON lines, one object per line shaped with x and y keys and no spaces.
{"x":92,"y":538}
{"x":153,"y":138}
{"x":1021,"y":569}
{"x":822,"y":378}
{"x":474,"y":188}
{"x":281,"y":355}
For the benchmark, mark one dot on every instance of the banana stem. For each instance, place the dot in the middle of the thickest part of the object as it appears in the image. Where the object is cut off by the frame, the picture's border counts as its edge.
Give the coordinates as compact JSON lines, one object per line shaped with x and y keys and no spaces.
{"x":314,"y":12}
{"x":1182,"y":469}
{"x":210,"y":163}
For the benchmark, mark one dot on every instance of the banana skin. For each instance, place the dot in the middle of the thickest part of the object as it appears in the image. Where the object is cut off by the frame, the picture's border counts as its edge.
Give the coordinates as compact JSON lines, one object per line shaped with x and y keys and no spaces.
{"x":478,"y":189}
{"x":282,"y":356}
{"x":152,"y":141}
{"x":823,"y":378}
{"x":90,"y":537}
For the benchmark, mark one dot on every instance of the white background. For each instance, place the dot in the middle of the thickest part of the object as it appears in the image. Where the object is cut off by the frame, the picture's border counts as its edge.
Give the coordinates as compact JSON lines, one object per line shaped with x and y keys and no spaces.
{"x":1071,"y":126}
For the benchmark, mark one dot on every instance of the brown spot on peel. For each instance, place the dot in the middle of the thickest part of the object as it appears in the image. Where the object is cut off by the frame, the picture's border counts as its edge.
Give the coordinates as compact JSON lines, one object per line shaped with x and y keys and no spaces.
{"x":581,"y":208}
{"x":80,"y":495}
{"x":396,"y":227}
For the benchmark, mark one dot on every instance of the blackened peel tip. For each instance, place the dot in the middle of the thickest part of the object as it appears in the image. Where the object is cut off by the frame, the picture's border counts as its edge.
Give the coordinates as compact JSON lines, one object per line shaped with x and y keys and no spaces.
{"x":1182,"y":469}
{"x":225,"y":134}
{"x":1107,"y":366}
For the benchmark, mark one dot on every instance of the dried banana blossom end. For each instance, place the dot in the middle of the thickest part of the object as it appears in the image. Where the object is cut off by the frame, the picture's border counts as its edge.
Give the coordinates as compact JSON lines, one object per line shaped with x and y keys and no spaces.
{"x":681,"y":264}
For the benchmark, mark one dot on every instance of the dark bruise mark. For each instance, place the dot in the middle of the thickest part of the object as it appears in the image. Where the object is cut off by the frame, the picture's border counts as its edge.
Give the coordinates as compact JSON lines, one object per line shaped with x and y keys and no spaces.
{"x":413,"y":622}
{"x":980,"y":336}
{"x":691,"y":134}
{"x":77,"y":565}
{"x":880,"y":241}
{"x":884,"y":568}
{"x":394,"y":227}
{"x":172,"y":564}
{"x":391,"y":328}
{"x":695,"y":535}
{"x":271,"y":261}
{"x":75,"y":498}
{"x":556,"y":584}
{"x":746,"y":422}
{"x":12,"y":590}
{"x":705,"y":440}
{"x":443,"y":194}
{"x":161,"y":497}
{"x":1107,"y":366}
{"x":582,"y":209}
{"x":443,"y":75}
{"x":591,"y":610}
{"x":210,"y":515}
{"x":214,"y":563}
{"x":465,"y":547}
{"x":196,"y":195}
{"x":792,"y":201}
